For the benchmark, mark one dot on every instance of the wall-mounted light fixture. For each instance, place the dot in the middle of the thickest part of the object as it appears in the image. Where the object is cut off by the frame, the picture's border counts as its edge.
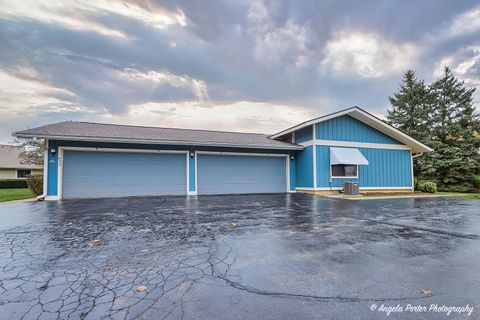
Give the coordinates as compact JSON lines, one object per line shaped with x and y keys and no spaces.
{"x":292,"y":157}
{"x":53,"y":151}
{"x":192,"y":154}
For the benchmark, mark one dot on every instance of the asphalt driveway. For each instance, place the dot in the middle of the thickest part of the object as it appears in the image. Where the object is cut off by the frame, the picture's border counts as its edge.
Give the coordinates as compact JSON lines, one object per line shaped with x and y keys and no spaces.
{"x":240,"y":257}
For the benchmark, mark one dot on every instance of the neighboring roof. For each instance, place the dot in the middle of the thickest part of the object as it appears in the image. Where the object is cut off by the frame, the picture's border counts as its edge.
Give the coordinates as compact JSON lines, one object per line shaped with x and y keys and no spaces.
{"x":10,"y":158}
{"x":88,"y":131}
{"x":368,"y":119}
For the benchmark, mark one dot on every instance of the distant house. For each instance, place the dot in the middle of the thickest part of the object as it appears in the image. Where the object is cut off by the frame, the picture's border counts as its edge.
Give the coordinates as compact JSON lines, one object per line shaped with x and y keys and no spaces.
{"x":10,"y":165}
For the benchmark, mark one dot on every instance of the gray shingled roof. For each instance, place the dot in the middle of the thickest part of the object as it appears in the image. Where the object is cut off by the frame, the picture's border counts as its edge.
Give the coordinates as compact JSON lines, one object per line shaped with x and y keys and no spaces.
{"x":87,"y":131}
{"x":10,"y":158}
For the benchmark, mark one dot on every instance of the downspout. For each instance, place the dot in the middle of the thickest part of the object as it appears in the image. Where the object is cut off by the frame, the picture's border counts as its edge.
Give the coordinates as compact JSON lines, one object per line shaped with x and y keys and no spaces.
{"x":45,"y":173}
{"x":417,"y":155}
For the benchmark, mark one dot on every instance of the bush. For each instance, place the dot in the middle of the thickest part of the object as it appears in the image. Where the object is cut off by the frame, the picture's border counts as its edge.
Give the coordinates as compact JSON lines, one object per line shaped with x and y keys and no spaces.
{"x":35,"y":184}
{"x":477,"y":182}
{"x":426,"y":186}
{"x":13,"y":183}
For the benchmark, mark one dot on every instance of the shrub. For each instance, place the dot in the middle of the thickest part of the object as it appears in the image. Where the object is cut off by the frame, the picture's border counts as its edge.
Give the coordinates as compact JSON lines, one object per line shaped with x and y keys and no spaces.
{"x":35,"y":184}
{"x":426,"y":186}
{"x":13,"y":183}
{"x":477,"y":182}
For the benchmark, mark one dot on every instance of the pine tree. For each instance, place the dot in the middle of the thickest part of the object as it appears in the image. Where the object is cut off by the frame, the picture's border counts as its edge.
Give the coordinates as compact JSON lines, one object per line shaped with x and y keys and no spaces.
{"x":410,"y":108}
{"x":410,"y":112}
{"x":454,"y":127}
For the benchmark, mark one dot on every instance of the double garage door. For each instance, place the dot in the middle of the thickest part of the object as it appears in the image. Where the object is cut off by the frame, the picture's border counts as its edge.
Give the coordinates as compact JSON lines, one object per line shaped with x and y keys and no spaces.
{"x":87,"y":174}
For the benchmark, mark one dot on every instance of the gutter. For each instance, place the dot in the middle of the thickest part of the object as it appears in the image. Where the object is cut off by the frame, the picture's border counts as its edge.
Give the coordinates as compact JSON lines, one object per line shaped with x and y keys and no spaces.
{"x":161,"y":142}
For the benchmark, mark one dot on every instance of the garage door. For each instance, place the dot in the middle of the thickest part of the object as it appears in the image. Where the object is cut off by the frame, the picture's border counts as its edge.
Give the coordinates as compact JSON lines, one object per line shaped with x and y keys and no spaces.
{"x":223,"y":174}
{"x":120,"y":174}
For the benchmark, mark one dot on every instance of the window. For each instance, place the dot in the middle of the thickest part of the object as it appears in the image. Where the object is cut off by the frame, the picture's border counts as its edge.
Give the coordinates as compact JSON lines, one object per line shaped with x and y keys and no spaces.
{"x":23,"y":173}
{"x":344,"y":171}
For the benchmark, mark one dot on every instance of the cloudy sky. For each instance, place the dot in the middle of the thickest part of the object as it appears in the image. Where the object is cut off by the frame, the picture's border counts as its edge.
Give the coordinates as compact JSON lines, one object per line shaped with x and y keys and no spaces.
{"x":256,"y":66}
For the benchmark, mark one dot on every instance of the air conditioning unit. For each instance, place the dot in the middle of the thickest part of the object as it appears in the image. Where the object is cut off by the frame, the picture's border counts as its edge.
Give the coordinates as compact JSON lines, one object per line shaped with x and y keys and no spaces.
{"x":350,"y":188}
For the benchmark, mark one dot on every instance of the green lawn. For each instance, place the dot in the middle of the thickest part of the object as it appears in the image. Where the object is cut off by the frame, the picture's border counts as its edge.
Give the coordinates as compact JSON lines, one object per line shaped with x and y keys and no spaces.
{"x":461,"y":195}
{"x":15,"y":194}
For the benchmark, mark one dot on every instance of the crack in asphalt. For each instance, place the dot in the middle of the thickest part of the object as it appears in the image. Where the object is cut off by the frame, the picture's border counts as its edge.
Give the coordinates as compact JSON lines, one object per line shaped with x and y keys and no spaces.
{"x":422,"y":228}
{"x":49,"y":268}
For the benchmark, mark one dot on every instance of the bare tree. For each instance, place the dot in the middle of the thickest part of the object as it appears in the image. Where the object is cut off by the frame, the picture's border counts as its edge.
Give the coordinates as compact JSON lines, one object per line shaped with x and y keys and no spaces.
{"x":32,"y":150}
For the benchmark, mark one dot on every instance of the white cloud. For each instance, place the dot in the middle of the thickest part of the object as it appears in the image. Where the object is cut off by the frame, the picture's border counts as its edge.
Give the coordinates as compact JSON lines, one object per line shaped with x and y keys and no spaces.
{"x":465,"y":23}
{"x":367,"y":55}
{"x":78,"y":15}
{"x":198,"y":87}
{"x":246,"y":116}
{"x":465,"y":64}
{"x":21,"y":93}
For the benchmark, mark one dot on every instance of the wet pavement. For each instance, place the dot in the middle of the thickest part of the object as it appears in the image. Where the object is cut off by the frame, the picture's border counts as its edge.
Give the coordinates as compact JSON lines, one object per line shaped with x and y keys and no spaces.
{"x":291,"y":256}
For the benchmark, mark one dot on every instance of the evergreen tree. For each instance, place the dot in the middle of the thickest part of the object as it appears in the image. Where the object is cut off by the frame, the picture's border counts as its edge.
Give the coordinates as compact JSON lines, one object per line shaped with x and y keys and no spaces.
{"x":410,"y":107}
{"x":454,"y":127}
{"x":410,"y":111}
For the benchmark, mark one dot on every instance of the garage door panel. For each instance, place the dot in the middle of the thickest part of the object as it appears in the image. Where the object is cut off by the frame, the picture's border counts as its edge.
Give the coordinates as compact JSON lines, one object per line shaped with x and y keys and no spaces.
{"x":116,"y":174}
{"x":223,"y":174}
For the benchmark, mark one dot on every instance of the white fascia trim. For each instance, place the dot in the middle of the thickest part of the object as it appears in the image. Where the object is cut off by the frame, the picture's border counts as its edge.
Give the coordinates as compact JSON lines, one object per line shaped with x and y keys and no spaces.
{"x":387,"y":129}
{"x":113,"y":150}
{"x":352,"y":144}
{"x":161,"y":142}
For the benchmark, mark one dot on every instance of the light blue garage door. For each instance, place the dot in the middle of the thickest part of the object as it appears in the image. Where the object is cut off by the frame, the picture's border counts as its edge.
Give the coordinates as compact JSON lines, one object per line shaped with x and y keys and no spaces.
{"x":121,"y":174}
{"x":223,"y":174}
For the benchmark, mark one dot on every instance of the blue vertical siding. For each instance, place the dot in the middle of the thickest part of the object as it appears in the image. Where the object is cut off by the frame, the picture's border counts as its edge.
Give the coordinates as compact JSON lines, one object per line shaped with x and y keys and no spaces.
{"x":304,"y":168}
{"x":191,"y":168}
{"x":293,"y":170}
{"x":386,"y":168}
{"x":52,"y":175}
{"x":304,"y":134}
{"x":347,"y":128}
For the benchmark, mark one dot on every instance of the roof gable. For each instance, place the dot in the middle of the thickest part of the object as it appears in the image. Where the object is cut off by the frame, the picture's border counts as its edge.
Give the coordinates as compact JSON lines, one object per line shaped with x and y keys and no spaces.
{"x":347,"y":128}
{"x":368,"y":119}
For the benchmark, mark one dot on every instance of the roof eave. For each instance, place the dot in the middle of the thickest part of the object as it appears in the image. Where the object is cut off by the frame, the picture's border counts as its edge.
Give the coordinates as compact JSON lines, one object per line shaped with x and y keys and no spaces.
{"x":161,"y":142}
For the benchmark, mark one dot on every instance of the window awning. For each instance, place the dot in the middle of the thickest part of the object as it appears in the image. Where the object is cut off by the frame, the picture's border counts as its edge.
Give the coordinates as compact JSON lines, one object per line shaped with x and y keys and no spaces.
{"x":347,"y":156}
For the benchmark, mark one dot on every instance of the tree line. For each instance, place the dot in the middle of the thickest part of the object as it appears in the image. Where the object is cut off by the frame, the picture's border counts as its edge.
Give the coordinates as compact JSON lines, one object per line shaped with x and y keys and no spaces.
{"x":442,"y":116}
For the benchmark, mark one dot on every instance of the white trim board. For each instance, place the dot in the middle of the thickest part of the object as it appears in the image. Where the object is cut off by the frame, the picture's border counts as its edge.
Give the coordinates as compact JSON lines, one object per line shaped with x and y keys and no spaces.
{"x":352,"y":144}
{"x":113,"y":150}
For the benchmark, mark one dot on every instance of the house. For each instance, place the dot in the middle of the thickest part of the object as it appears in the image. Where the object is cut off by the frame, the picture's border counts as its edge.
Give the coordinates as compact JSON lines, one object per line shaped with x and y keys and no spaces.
{"x":11,"y":166}
{"x":88,"y":160}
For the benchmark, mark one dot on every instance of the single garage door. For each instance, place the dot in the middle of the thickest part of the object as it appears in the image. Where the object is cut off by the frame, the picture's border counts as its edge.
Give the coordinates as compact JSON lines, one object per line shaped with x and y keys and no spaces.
{"x":224,"y":174}
{"x":121,"y":174}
